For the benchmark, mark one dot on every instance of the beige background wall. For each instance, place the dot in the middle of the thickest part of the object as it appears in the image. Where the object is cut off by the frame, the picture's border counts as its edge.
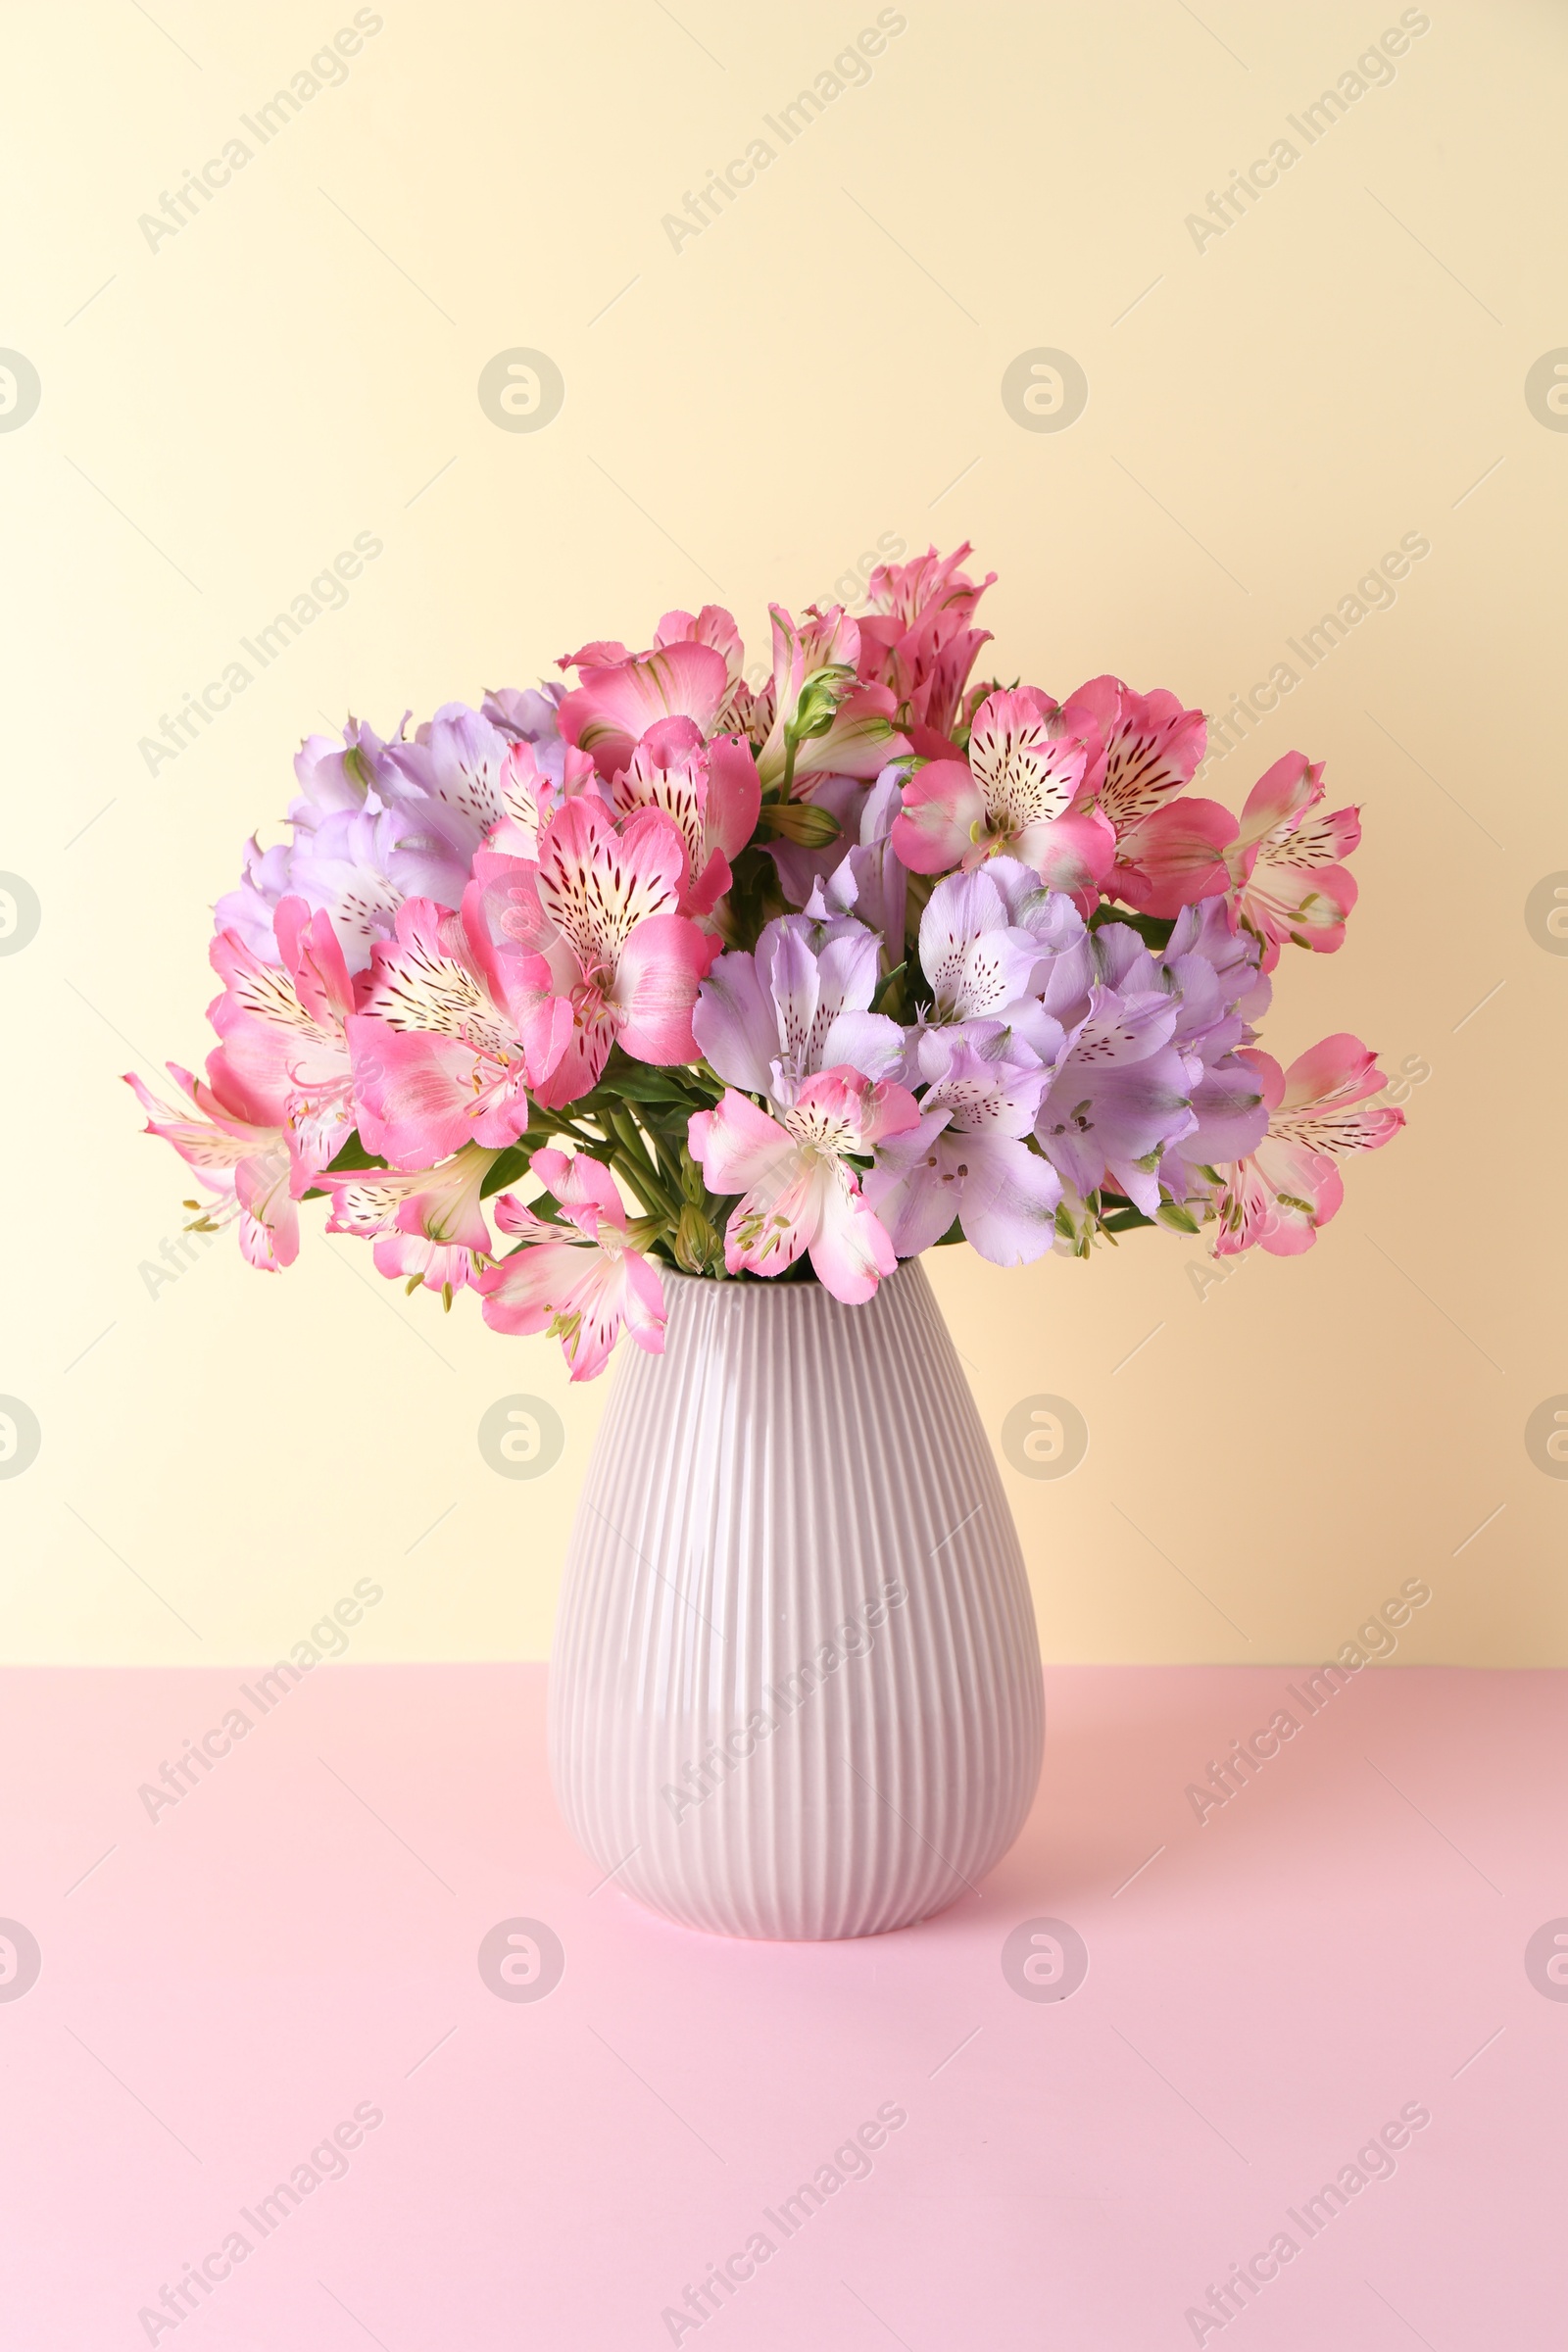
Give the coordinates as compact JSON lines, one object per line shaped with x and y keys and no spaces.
{"x":221,"y":1453}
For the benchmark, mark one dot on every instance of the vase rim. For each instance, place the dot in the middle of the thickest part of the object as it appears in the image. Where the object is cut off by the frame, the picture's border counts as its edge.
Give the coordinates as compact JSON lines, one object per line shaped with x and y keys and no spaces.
{"x":812,"y":1287}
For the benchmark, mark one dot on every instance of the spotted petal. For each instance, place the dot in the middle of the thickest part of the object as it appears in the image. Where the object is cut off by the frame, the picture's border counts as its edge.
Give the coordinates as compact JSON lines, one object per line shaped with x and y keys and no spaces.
{"x":596,"y":886}
{"x":616,"y":704}
{"x":1151,"y":746}
{"x":1025,"y":759}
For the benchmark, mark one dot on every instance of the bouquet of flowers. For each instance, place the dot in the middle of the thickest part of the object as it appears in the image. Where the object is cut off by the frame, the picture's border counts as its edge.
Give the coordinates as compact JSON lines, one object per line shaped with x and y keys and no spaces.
{"x":771,"y":975}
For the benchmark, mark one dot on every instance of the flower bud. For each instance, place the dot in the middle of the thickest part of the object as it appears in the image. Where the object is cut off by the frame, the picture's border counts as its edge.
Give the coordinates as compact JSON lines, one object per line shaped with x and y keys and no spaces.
{"x":820,"y":699}
{"x":800,"y":821}
{"x":692,"y":1184}
{"x":696,"y":1242}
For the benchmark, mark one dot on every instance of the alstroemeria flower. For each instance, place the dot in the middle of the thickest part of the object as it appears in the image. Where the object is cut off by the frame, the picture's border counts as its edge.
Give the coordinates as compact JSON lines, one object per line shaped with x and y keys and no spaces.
{"x":1025,"y":792}
{"x":617,"y":702}
{"x":337,"y":774}
{"x":427,"y":1223}
{"x":823,"y":721}
{"x":358,"y":866}
{"x":533,"y":786}
{"x":1285,"y":861}
{"x":1280,"y":861}
{"x":238,"y":1143}
{"x":919,"y":640}
{"x":1069,"y":966}
{"x":1208,"y":929}
{"x":798,"y":1191}
{"x":350,"y":853}
{"x":584,"y":1281}
{"x":980,"y":963}
{"x":708,"y":791}
{"x":1118,"y":1097}
{"x":284,"y":1033}
{"x":600,"y":910}
{"x":1152,"y":748}
{"x":1219,"y":989}
{"x":1289,"y":1186}
{"x":453,"y":767}
{"x":769,"y":1021}
{"x":525,"y":714}
{"x":968,"y":1158}
{"x":870,"y":881}
{"x":714,"y":626}
{"x":451,"y":1032}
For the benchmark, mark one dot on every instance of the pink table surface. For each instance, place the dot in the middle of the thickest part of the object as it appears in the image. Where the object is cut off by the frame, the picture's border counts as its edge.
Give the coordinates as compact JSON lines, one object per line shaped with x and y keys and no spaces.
{"x":296,"y":1940}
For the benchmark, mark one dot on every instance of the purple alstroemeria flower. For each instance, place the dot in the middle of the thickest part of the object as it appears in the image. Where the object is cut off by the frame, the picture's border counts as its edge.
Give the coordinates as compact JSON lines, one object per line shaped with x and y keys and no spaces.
{"x":248,"y":909}
{"x":1214,"y":969}
{"x":525,"y":714}
{"x":980,"y":963}
{"x":871,"y":881}
{"x":799,"y":1004}
{"x":336,"y":776}
{"x":1119,"y":1096}
{"x":360,"y":868}
{"x":449,"y":779}
{"x":969,"y":1158}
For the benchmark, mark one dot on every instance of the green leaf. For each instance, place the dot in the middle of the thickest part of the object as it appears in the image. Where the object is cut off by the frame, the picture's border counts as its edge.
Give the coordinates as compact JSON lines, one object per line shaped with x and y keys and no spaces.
{"x":639,"y":1082}
{"x":1125,"y":1220}
{"x":1153,"y":930}
{"x":507,"y":1169}
{"x":886,"y":987}
{"x":351,"y":1155}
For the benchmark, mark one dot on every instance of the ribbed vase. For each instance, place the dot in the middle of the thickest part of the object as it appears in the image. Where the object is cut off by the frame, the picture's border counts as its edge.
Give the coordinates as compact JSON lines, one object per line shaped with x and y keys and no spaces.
{"x":796,"y":1690}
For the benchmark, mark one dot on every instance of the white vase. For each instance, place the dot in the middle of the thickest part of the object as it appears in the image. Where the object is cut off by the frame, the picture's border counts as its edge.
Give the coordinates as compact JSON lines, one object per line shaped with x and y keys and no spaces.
{"x":796,"y":1690}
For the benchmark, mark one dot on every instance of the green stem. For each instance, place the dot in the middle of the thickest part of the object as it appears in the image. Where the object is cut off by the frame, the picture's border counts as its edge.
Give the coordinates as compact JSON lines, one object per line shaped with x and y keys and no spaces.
{"x":639,"y":1168}
{"x":650,"y":1199}
{"x":556,"y":1122}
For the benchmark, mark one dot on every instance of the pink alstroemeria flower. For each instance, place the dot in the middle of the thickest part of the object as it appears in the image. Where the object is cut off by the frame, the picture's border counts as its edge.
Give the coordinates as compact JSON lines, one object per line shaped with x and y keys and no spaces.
{"x":600,"y":911}
{"x":815,"y":681}
{"x":1026,"y":791}
{"x":427,"y":1223}
{"x":710,"y":794}
{"x":1290,"y":886}
{"x":1289,"y":1186}
{"x":714,"y":626}
{"x":919,"y":640}
{"x":1278,"y":862}
{"x":799,"y":1192}
{"x":451,"y":1032}
{"x":584,"y":1281}
{"x":284,"y":1033}
{"x":617,"y":700}
{"x":238,"y":1145}
{"x":531,"y":793}
{"x":1152,"y":747}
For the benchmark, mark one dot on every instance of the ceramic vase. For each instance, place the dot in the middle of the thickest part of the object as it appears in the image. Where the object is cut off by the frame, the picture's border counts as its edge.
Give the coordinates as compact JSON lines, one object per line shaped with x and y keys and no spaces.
{"x":796,"y":1690}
